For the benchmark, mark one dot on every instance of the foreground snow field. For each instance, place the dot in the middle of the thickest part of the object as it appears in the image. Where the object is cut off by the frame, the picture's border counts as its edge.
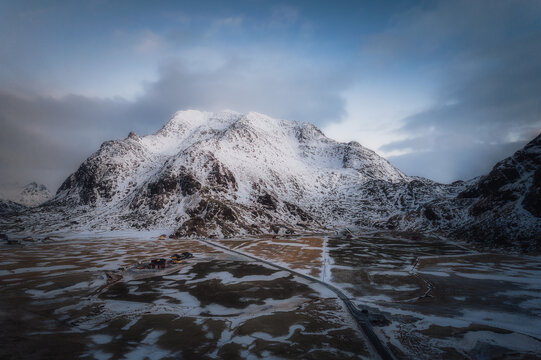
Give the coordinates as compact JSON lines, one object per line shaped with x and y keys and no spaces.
{"x":427,"y":298}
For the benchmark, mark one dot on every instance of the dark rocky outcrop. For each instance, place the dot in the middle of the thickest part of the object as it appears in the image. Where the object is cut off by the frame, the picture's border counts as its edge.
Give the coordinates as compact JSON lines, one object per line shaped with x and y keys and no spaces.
{"x":267,"y":201}
{"x":532,"y":199}
{"x":221,"y":178}
{"x":188,"y":183}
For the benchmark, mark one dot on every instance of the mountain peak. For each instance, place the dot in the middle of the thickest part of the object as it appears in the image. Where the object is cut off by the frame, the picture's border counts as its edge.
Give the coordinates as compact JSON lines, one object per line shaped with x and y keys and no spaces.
{"x":534,"y":144}
{"x":133,"y":136}
{"x":185,"y":120}
{"x":33,"y":194}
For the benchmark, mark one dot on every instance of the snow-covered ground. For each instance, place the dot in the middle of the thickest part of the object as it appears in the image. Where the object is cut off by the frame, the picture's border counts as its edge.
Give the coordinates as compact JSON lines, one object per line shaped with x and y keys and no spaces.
{"x":56,"y":305}
{"x":427,"y":298}
{"x":439,"y":298}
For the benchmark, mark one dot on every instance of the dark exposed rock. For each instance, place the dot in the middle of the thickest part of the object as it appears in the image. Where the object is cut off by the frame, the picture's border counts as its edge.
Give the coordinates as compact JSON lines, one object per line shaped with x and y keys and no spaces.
{"x":308,"y":132}
{"x":267,"y":201}
{"x":165,"y":185}
{"x":532,"y":199}
{"x":430,"y":214}
{"x":209,"y":215}
{"x":188,"y":184}
{"x":297,"y":211}
{"x":160,"y":192}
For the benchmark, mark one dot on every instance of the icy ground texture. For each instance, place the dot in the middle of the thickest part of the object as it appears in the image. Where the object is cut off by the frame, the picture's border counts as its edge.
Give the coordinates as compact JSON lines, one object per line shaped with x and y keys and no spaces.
{"x":427,"y":298}
{"x":216,"y":307}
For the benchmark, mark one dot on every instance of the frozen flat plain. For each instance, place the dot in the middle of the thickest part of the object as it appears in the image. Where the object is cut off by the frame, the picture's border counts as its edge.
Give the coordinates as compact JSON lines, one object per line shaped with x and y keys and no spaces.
{"x":55,"y":305}
{"x":433,"y":299}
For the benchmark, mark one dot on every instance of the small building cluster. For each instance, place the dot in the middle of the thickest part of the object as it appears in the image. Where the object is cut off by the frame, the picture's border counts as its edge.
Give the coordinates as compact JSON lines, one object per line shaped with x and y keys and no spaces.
{"x":158,"y":264}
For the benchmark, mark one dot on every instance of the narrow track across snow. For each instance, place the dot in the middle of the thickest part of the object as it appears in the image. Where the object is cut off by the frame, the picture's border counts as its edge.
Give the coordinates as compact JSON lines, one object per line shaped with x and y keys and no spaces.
{"x":360,"y":317}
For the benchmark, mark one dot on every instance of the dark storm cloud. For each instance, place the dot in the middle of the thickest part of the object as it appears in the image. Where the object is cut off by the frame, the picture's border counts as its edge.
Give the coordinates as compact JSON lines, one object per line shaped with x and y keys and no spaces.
{"x":488,"y":57}
{"x":45,"y":138}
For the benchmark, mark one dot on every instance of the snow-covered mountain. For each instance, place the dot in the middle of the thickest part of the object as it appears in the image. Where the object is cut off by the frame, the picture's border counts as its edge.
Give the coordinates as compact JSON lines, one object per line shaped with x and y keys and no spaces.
{"x":502,"y":208}
{"x":229,"y":173}
{"x":33,"y":194}
{"x":223,"y":173}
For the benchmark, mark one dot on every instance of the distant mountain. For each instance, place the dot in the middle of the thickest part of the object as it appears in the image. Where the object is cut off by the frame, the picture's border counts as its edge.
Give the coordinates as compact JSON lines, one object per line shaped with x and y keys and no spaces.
{"x":33,"y":194}
{"x":229,"y":174}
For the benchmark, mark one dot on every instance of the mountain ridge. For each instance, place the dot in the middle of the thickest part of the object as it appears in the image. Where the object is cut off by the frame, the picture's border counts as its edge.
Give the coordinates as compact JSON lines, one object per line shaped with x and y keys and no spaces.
{"x":229,"y":173}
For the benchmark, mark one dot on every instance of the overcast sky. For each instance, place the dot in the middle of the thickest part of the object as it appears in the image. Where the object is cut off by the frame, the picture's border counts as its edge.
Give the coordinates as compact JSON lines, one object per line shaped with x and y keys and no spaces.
{"x":443,"y":89}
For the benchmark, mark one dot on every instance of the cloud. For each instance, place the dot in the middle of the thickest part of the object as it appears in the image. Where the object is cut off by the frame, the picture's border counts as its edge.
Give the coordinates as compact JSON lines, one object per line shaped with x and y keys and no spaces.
{"x":150,"y":42}
{"x":295,"y":90}
{"x":457,"y":163}
{"x":435,"y":84}
{"x":486,"y":58}
{"x":284,"y":16}
{"x":371,"y":114}
{"x":231,"y":22}
{"x":44,"y":139}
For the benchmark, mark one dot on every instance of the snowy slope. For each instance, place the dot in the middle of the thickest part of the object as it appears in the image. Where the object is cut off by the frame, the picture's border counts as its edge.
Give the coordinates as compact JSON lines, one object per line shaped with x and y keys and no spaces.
{"x":8,"y":206}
